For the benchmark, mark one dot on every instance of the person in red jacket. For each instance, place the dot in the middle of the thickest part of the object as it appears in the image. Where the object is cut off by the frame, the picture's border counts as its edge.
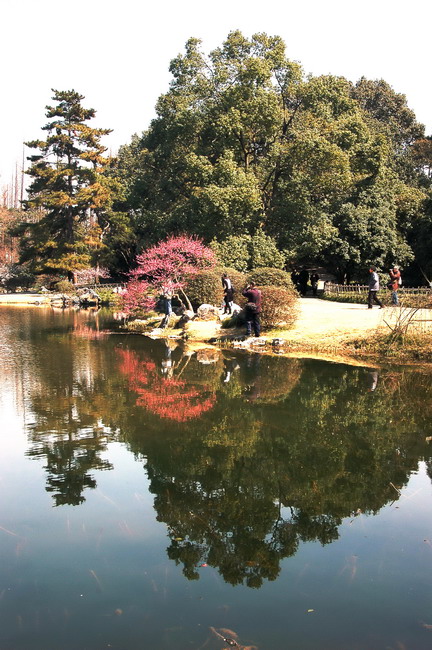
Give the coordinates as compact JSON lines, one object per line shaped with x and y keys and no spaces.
{"x":252,"y":309}
{"x":395,"y":280}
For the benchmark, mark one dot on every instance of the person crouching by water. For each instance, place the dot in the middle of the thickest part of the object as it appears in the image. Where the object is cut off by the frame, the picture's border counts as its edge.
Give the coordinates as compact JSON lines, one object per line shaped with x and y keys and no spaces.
{"x":373,"y":288}
{"x":252,"y":309}
{"x":228,"y":294}
{"x":395,"y":281}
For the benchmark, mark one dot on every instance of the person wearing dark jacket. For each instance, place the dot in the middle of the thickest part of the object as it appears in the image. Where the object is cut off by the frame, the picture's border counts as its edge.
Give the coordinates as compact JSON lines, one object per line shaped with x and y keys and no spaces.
{"x":252,"y":309}
{"x":303,"y":280}
{"x":373,"y":288}
{"x":228,"y":293}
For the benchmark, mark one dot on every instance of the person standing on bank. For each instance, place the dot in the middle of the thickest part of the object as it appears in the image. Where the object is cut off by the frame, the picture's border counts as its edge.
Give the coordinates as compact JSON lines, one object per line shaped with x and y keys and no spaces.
{"x":395,"y":282}
{"x":167,"y":296}
{"x":228,"y":293}
{"x":373,"y":288}
{"x":252,"y":309}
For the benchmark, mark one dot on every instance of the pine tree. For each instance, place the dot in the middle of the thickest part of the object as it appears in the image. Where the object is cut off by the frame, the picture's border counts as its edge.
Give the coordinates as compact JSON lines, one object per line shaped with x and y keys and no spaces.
{"x":70,"y":188}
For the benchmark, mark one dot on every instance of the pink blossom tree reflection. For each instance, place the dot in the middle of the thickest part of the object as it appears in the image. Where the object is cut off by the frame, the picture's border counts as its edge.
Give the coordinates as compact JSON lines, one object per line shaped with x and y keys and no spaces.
{"x":169,"y":397}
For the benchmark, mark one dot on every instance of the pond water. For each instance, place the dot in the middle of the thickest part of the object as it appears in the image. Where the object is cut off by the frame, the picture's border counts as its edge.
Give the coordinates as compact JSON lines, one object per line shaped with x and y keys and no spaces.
{"x":156,"y":497}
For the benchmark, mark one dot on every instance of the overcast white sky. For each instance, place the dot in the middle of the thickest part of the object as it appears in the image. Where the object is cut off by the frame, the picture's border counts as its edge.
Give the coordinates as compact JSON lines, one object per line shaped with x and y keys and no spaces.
{"x":117,"y":53}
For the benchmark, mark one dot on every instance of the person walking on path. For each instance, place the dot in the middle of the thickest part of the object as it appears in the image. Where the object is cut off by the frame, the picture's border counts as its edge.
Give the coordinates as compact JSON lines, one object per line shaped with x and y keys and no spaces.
{"x":303,"y":280}
{"x":252,"y":309}
{"x":395,"y":281}
{"x":373,"y":288}
{"x":228,"y":293}
{"x":314,"y":280}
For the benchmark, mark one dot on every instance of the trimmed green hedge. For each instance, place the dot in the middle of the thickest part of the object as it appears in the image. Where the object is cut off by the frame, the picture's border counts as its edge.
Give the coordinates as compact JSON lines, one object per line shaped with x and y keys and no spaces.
{"x":205,"y":288}
{"x":267,"y":276}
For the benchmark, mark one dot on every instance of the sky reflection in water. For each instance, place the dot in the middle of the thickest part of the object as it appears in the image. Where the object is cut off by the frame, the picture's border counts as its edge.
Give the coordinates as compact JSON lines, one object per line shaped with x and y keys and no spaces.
{"x":164,"y":498}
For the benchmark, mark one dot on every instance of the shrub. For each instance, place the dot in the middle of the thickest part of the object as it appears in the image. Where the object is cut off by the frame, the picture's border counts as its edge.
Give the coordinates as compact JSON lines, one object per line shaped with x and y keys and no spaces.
{"x":45,"y":280}
{"x":267,"y":276}
{"x":205,"y":287}
{"x":108,"y":296}
{"x":279,"y":307}
{"x":64,"y":286}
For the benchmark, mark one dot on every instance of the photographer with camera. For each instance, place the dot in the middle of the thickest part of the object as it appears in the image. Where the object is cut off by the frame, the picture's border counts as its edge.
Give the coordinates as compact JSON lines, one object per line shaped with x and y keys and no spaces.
{"x":394,"y":284}
{"x":252,"y":309}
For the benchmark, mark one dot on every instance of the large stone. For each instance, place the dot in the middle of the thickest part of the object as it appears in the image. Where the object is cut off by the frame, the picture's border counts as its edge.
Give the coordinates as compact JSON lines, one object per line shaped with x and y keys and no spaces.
{"x":208,"y":312}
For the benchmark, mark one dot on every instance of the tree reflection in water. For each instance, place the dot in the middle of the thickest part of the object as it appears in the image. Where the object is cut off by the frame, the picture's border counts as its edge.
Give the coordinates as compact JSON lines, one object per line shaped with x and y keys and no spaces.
{"x":161,"y":389}
{"x":248,"y":456}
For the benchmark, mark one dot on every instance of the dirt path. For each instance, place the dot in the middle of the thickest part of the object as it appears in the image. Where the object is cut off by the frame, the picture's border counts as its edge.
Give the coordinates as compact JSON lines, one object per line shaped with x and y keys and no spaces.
{"x":323,"y":319}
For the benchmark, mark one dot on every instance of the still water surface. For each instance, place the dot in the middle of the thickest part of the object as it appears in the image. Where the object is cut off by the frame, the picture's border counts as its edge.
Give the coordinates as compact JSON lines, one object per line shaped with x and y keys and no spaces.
{"x":156,"y":497}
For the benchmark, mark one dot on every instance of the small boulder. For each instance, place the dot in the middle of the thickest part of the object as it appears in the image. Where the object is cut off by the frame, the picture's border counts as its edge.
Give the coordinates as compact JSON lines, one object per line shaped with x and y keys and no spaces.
{"x":208,"y":312}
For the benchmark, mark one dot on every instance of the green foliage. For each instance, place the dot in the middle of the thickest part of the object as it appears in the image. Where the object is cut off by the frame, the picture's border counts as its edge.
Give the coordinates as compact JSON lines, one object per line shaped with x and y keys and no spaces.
{"x":233,"y":252}
{"x":244,"y":252}
{"x":269,"y":276}
{"x":389,"y":114}
{"x":368,"y":232}
{"x":45,"y":280}
{"x":245,"y":152}
{"x":17,"y":275}
{"x":350,"y":297}
{"x":245,"y":147}
{"x":407,"y":298}
{"x":108,"y":296}
{"x":264,"y":252}
{"x":64,"y":286}
{"x":205,"y":287}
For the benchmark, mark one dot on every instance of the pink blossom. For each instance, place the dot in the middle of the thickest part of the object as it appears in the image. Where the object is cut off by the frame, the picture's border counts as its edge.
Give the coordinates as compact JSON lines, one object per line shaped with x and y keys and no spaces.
{"x":165,"y":266}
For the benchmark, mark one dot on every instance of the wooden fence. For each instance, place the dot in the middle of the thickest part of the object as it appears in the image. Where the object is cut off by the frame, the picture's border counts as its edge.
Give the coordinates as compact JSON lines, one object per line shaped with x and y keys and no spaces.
{"x":340,"y":289}
{"x":101,"y":285}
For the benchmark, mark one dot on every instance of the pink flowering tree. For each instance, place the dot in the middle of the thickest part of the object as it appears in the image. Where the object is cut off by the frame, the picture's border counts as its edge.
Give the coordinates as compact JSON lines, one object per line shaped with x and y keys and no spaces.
{"x":165,"y":268}
{"x":139,"y":296}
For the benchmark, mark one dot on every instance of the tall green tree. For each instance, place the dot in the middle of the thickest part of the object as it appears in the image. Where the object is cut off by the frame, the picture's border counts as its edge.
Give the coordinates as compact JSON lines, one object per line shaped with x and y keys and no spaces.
{"x":387,"y":112}
{"x":244,"y":142}
{"x":71,"y":190}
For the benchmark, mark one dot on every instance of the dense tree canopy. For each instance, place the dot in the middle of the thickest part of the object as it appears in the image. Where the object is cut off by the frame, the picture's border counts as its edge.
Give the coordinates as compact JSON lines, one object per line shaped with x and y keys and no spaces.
{"x":244,"y":141}
{"x":244,"y":147}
